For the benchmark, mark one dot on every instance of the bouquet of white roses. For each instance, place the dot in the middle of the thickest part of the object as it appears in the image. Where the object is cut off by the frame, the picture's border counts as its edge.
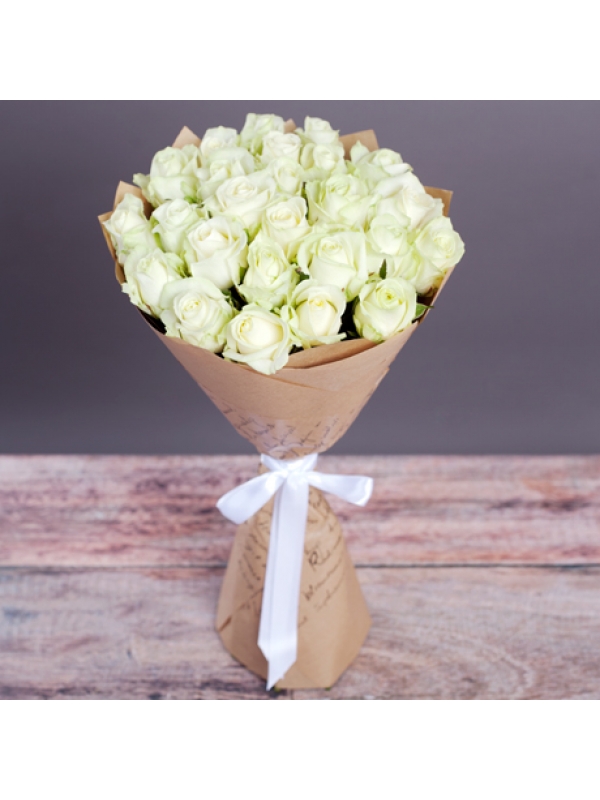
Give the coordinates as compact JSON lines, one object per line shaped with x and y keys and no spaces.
{"x":265,"y":242}
{"x":285,"y":268}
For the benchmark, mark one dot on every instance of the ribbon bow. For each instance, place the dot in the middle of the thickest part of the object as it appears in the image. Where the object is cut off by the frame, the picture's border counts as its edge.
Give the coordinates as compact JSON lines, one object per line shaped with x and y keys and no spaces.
{"x":289,"y":482}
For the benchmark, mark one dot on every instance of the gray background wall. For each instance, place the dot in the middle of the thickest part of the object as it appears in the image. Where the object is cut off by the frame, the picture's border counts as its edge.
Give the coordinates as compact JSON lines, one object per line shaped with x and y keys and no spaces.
{"x":507,"y":363}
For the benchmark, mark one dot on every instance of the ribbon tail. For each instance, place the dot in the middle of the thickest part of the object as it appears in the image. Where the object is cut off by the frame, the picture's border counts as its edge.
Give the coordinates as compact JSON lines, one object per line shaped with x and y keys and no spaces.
{"x":278,"y":632}
{"x":356,"y":489}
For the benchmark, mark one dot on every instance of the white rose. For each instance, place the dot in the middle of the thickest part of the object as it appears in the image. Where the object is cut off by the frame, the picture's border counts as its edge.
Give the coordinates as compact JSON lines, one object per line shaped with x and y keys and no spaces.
{"x":222,"y":164}
{"x":336,"y":259}
{"x":319,"y":161}
{"x":269,"y":277}
{"x":341,"y":199}
{"x":280,"y":145}
{"x":419,"y":271}
{"x":172,"y":175}
{"x":316,"y":315}
{"x":287,"y":174}
{"x":385,"y":308}
{"x":374,"y":166}
{"x":216,"y":249}
{"x":317,"y":131}
{"x":387,"y":240}
{"x":256,"y":127}
{"x":405,"y":196}
{"x":244,"y":198}
{"x":197,"y":312}
{"x":173,"y":220}
{"x":129,"y":229}
{"x":216,"y":139}
{"x":147,"y":274}
{"x":285,"y":223}
{"x":439,"y":243}
{"x":258,"y":338}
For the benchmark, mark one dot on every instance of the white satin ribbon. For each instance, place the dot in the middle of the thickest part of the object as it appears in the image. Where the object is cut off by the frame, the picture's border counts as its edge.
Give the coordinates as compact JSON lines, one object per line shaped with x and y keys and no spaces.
{"x":289,"y":482}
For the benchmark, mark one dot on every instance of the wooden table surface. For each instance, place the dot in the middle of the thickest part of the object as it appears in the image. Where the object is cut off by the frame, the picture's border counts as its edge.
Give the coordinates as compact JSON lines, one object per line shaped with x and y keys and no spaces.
{"x":482,"y":575}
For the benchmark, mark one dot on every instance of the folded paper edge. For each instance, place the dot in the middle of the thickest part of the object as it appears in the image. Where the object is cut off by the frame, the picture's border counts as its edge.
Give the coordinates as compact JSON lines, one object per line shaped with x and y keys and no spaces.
{"x":368,"y":138}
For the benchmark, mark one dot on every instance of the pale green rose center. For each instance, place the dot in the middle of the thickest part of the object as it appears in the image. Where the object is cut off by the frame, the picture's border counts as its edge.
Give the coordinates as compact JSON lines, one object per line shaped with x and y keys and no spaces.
{"x":153,"y":267}
{"x":169,"y":164}
{"x":178,"y":216}
{"x":445,"y":243}
{"x":124,"y":221}
{"x":316,"y":124}
{"x":343,"y":188}
{"x":385,"y":158}
{"x":213,"y":144}
{"x":323,"y":157}
{"x":420,"y":200}
{"x":208,"y":240}
{"x":255,"y":333}
{"x":242,"y":190}
{"x":284,"y":218}
{"x":192,"y":310}
{"x":317,"y":316}
{"x":283,"y":171}
{"x":220,"y":168}
{"x":329,"y":248}
{"x":271,"y":266}
{"x":388,"y":299}
{"x":389,"y":240}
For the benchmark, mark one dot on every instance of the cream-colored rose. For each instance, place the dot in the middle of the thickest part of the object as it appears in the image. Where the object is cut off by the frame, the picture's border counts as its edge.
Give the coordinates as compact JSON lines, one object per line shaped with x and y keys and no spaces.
{"x":415,"y":269}
{"x":172,"y":221}
{"x":317,"y":131}
{"x":196,"y":311}
{"x":317,"y":313}
{"x":256,"y":127}
{"x":384,"y":308}
{"x":216,"y":249}
{"x":146,"y":275}
{"x":387,"y":240}
{"x":339,"y":200}
{"x":172,"y":175}
{"x":285,"y":223}
{"x":377,"y":165}
{"x":405,"y":196}
{"x":337,"y":258}
{"x":438,"y":243}
{"x":222,"y":164}
{"x":216,"y":139}
{"x":287,"y":174}
{"x":269,"y":278}
{"x":258,"y":338}
{"x":244,"y":198}
{"x":280,"y":145}
{"x":129,"y":229}
{"x":319,"y":161}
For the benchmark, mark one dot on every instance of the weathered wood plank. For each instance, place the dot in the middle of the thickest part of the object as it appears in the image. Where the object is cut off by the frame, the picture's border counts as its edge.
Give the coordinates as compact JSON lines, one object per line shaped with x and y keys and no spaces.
{"x":116,"y":634}
{"x":128,"y":511}
{"x":477,"y":633}
{"x":438,"y":632}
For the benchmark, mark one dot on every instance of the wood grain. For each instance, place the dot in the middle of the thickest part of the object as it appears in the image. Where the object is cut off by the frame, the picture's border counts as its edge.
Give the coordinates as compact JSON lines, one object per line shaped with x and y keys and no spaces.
{"x":439,"y":633}
{"x":116,"y":634}
{"x":481,"y":575}
{"x":138,"y":511}
{"x":485,"y":633}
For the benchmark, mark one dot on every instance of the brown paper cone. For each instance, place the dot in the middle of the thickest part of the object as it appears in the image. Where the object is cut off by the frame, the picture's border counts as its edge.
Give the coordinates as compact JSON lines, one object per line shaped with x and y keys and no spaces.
{"x":304,"y":408}
{"x":333,"y":619}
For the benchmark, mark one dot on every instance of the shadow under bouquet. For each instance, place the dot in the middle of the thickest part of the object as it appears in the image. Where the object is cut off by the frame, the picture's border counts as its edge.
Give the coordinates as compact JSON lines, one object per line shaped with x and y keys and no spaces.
{"x":285,"y":268}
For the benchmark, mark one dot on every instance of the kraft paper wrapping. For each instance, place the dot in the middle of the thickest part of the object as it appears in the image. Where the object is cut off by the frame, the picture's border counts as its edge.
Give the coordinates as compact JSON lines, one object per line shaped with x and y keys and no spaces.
{"x":304,"y":408}
{"x":333,"y":619}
